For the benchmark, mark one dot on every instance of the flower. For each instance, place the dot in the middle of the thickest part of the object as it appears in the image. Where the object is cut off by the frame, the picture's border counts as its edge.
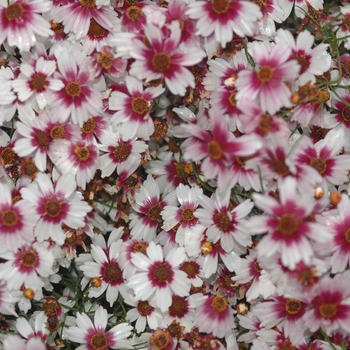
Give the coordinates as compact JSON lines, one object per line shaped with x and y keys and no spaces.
{"x":158,"y":277}
{"x":21,"y":20}
{"x":56,"y":206}
{"x":165,"y":58}
{"x":223,"y":18}
{"x":94,"y":335}
{"x":267,"y":81}
{"x":214,"y":315}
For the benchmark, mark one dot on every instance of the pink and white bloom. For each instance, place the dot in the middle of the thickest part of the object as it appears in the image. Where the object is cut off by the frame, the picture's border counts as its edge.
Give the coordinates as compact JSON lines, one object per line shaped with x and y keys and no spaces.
{"x":289,"y":233}
{"x":79,"y":158}
{"x":17,"y":221}
{"x":330,"y":308}
{"x":313,"y":61}
{"x":133,"y":109}
{"x":38,"y":82}
{"x":56,"y":205}
{"x":21,"y":20}
{"x":148,"y":206}
{"x":77,"y":99}
{"x":165,"y":58}
{"x":93,"y":335}
{"x":76,"y":17}
{"x":224,"y":18}
{"x":27,"y":266}
{"x":267,"y":82}
{"x":214,"y":315}
{"x":159,"y":277}
{"x":225,"y":224}
{"x":184,"y":217}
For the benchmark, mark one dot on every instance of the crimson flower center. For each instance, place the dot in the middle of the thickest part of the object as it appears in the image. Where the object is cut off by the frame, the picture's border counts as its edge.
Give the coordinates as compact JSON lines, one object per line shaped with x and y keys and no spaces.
{"x":89,"y":126}
{"x":288,"y":224}
{"x":222,"y":221}
{"x":53,"y":208}
{"x":140,"y":248}
{"x":88,"y":4}
{"x":303,"y":62}
{"x":293,"y":306}
{"x":51,"y":308}
{"x":8,"y":156}
{"x":265,"y":74}
{"x":161,"y":61}
{"x":57,"y":132}
{"x":9,"y":218}
{"x":140,"y":105}
{"x":178,"y":307}
{"x":328,"y":310}
{"x":215,"y":151}
{"x":82,"y":153}
{"x":162,"y":272}
{"x":219,"y":303}
{"x":347,"y":235}
{"x":99,"y":341}
{"x":38,"y":82}
{"x":122,"y":152}
{"x":191,"y":268}
{"x":256,"y":266}
{"x":43,"y":139}
{"x":220,"y":6}
{"x":96,"y":30}
{"x":106,"y":60}
{"x":232,"y":99}
{"x":29,"y":258}
{"x":14,"y":11}
{"x":73,"y":89}
{"x":133,"y":13}
{"x":279,"y":167}
{"x":187,"y":214}
{"x":346,"y":113}
{"x":154,"y":213}
{"x":319,"y":164}
{"x":265,"y":124}
{"x":112,"y":272}
{"x":144,"y":308}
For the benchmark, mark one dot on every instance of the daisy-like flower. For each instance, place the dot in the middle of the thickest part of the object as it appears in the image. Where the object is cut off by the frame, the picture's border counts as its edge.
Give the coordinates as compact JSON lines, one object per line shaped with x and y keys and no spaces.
{"x":144,"y":313}
{"x":165,"y":58}
{"x":27,"y":266}
{"x":214,"y":316}
{"x":79,"y":158}
{"x":76,"y":17}
{"x":339,"y":225}
{"x":17,"y":221}
{"x":104,"y":269}
{"x":21,"y":20}
{"x":148,"y":206}
{"x":94,"y":335}
{"x":15,"y":342}
{"x":324,"y":156}
{"x":223,"y":18}
{"x":39,"y":135}
{"x":159,"y":277}
{"x":312,"y":61}
{"x":267,"y":82}
{"x":184,"y":217}
{"x":253,"y":280}
{"x":215,"y":148}
{"x":93,"y":129}
{"x":37,"y":81}
{"x":330,"y":308}
{"x":287,"y":224}
{"x":133,"y":109}
{"x":119,"y":154}
{"x":224,"y":223}
{"x":77,"y":99}
{"x":56,"y":205}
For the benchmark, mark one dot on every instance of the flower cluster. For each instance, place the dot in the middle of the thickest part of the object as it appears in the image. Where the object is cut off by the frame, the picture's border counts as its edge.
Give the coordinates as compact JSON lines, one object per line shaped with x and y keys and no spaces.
{"x":174,"y":175}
